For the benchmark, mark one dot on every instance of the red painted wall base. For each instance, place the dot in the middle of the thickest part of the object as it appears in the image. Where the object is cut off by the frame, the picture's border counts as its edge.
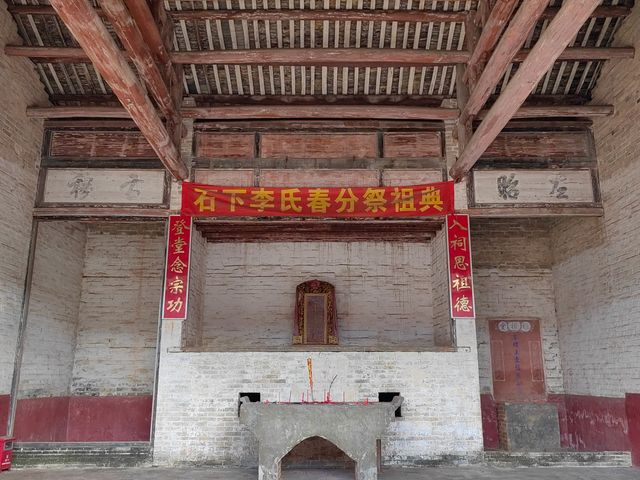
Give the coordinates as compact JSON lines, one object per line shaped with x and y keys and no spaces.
{"x":633,"y":418}
{"x":83,"y":419}
{"x":587,"y":423}
{"x":4,"y":414}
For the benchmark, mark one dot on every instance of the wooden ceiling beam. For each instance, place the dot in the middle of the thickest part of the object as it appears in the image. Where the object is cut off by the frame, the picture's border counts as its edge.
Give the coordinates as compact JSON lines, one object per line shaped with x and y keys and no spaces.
{"x":332,"y":56}
{"x":496,"y":22}
{"x":381,"y":112}
{"x":133,"y":41}
{"x":560,"y":32}
{"x":257,"y":112}
{"x":89,"y":31}
{"x":514,"y":36}
{"x":338,"y":57}
{"x":319,"y":15}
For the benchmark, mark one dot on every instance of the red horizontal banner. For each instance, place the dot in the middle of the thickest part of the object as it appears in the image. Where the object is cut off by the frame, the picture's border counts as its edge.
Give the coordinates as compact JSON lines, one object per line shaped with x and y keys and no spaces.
{"x":430,"y":200}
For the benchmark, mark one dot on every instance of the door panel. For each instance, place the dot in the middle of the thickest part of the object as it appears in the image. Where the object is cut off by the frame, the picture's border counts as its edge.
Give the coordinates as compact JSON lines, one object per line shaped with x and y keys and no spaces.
{"x":516,"y":360}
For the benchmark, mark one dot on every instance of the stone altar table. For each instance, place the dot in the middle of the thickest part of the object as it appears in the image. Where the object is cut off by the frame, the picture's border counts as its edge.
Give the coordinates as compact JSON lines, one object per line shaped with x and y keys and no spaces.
{"x":354,"y":428}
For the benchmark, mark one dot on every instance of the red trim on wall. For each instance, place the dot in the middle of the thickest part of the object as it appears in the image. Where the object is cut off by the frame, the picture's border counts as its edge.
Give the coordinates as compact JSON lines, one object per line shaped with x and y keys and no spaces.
{"x":42,"y":419}
{"x":559,"y":401}
{"x":597,"y":424}
{"x":632,"y":403}
{"x":587,"y":423}
{"x":490,"y":433}
{"x":83,"y":419}
{"x":4,"y":413}
{"x":109,"y":419}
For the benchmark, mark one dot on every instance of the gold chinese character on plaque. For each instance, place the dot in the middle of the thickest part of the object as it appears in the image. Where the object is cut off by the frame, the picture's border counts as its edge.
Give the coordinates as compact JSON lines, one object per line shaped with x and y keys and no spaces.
{"x":463,"y":304}
{"x":459,"y":263}
{"x":347,"y":200}
{"x":178,"y":245}
{"x":289,"y":200}
{"x":374,"y":200}
{"x":175,"y":305}
{"x":461,"y":283}
{"x":403,"y":199}
{"x":176,"y":286}
{"x":318,"y":200}
{"x":262,"y":199}
{"x":459,"y":243}
{"x":431,"y":198}
{"x":178,"y":266}
{"x":205,"y":202}
{"x":179,"y":227}
{"x":234,"y":197}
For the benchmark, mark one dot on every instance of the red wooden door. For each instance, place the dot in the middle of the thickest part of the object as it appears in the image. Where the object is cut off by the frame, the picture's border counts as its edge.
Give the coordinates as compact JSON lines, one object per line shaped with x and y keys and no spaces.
{"x":516,"y":360}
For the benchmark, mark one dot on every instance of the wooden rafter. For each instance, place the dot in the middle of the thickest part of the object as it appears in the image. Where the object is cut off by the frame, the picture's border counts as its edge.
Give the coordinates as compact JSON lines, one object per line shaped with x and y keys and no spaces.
{"x":491,"y":31}
{"x":133,"y":41}
{"x":514,"y":37}
{"x":560,"y":32}
{"x":247,"y":112}
{"x":89,"y":31}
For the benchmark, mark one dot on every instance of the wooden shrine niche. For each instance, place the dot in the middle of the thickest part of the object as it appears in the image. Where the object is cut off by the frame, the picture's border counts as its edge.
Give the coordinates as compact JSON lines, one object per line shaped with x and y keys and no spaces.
{"x":315,"y":315}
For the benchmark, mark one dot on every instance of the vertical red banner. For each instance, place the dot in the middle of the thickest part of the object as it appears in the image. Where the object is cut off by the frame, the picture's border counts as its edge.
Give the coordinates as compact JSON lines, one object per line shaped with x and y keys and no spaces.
{"x":176,"y":275}
{"x":460,"y":273}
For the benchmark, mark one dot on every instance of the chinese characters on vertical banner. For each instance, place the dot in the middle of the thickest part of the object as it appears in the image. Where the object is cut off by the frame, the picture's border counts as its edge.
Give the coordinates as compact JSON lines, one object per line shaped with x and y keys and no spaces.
{"x":460,"y":275}
{"x":435,"y":199}
{"x":176,"y":277}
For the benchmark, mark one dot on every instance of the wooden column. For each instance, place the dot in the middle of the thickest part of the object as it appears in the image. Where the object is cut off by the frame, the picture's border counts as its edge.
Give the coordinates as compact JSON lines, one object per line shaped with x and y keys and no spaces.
{"x":87,"y":28}
{"x":550,"y":45}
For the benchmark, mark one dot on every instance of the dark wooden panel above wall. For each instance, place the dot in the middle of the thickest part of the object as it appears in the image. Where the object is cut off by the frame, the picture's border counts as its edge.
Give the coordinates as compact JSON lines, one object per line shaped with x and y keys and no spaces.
{"x":412,"y":144}
{"x":544,"y":144}
{"x":225,"y":145}
{"x":107,"y":144}
{"x":319,"y":145}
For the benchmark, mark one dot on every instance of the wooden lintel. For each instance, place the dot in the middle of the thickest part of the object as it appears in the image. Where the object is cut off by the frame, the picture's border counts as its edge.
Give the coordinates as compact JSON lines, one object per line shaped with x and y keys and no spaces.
{"x":100,"y":213}
{"x":249,"y":112}
{"x":546,"y":51}
{"x":610,"y":11}
{"x":89,"y":31}
{"x":329,"y":57}
{"x":380,"y":112}
{"x":524,"y":212}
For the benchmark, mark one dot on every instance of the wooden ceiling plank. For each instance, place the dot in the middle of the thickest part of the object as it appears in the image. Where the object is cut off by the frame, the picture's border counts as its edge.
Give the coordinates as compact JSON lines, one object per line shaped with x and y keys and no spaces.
{"x":546,"y":51}
{"x":89,"y":31}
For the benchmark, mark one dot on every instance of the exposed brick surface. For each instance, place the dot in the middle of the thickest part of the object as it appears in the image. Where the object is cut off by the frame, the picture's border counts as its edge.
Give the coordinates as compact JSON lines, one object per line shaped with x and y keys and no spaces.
{"x":20,"y":140}
{"x":50,"y":336}
{"x":597,"y":262}
{"x":117,"y":329}
{"x":198,"y":399}
{"x":513,"y":279}
{"x":383,"y":292}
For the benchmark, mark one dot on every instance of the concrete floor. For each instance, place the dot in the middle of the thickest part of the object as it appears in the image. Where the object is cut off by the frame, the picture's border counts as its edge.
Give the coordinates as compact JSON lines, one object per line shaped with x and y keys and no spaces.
{"x":464,"y":473}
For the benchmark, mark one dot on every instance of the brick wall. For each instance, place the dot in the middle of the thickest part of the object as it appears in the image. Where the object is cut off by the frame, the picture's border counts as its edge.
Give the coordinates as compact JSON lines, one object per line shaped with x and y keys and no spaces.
{"x":513,"y":279}
{"x":383,"y":292}
{"x":20,"y":140}
{"x":197,"y":402}
{"x":50,"y":336}
{"x":596,"y":269}
{"x":118,"y":317}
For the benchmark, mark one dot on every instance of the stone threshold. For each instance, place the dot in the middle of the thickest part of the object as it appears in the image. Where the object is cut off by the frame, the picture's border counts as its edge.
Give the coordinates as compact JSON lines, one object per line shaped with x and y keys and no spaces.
{"x":499,"y":458}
